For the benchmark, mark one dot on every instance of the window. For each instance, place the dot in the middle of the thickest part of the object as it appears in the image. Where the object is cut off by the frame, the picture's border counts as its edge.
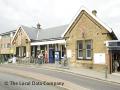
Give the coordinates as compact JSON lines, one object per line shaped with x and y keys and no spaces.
{"x":0,"y":37}
{"x":8,"y":45}
{"x":80,"y":50}
{"x":1,"y":45}
{"x":5,"y":45}
{"x":118,"y":43}
{"x":84,"y":49}
{"x":88,"y":49}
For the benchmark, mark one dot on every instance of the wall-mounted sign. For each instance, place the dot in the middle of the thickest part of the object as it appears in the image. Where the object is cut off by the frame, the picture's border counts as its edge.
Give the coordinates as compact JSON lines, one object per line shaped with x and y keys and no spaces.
{"x":69,"y":53}
{"x":99,"y":58}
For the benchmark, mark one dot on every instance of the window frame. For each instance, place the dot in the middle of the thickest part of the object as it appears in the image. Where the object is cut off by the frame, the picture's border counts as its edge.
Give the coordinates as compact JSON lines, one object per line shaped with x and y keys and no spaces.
{"x":84,"y":50}
{"x":88,"y":49}
{"x":8,"y":45}
{"x":78,"y":50}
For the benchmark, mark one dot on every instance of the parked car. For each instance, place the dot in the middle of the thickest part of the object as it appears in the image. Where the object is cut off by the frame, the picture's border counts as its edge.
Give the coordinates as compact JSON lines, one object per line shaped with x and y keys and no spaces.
{"x":10,"y":60}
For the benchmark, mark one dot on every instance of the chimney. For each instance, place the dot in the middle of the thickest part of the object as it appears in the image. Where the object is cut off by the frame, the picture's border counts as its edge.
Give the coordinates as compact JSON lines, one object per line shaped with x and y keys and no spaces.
{"x":38,"y":26}
{"x":94,"y":12}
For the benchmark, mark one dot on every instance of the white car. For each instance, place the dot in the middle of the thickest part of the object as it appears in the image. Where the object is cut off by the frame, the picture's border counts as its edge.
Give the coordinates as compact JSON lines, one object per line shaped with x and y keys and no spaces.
{"x":10,"y":60}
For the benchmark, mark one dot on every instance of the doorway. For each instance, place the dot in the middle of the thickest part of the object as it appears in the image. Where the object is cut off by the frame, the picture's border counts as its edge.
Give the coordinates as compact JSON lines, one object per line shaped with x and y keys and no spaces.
{"x":115,"y":59}
{"x":21,"y":51}
{"x":51,"y":55}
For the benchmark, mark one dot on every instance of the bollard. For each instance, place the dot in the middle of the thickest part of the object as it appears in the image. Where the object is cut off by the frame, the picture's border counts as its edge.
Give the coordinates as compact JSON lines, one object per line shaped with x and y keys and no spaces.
{"x":106,"y":71}
{"x":68,"y":63}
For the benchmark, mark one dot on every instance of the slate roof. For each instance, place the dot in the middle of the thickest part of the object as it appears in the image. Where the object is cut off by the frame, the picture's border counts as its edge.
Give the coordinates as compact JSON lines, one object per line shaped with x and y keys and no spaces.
{"x":60,"y":31}
{"x":8,"y":32}
{"x":31,"y":32}
{"x":52,"y":33}
{"x":45,"y":34}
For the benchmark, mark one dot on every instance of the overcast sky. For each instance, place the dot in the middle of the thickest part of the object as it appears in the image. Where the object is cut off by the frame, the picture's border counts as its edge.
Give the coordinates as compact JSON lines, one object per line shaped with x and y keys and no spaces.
{"x":49,"y":13}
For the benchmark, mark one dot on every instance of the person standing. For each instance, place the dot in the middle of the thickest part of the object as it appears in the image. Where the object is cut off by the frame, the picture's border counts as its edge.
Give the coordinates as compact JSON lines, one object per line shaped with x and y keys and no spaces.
{"x":116,"y":65}
{"x":46,"y":57}
{"x":40,"y":58}
{"x":14,"y":59}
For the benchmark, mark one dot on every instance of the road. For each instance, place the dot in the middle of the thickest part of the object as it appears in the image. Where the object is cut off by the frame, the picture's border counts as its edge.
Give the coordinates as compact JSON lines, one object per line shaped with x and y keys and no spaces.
{"x":80,"y":80}
{"x":13,"y":82}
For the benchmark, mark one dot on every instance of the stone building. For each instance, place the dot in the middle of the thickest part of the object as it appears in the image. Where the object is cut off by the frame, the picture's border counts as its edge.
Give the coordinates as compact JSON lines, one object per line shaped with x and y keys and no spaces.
{"x":86,"y":38}
{"x":87,"y":42}
{"x":29,"y":42}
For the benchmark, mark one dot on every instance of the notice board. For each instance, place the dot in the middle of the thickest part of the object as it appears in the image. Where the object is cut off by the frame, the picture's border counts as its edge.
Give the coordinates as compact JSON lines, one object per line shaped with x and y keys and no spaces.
{"x":99,"y":58}
{"x":69,"y":53}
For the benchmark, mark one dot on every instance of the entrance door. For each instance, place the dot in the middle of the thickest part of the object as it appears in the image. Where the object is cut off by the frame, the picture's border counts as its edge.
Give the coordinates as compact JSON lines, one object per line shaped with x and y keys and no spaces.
{"x":17,"y":51}
{"x":51,"y":55}
{"x":116,"y":61}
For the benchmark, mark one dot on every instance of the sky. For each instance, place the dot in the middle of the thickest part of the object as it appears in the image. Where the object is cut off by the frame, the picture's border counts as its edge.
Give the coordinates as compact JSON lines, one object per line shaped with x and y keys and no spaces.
{"x":50,"y":13}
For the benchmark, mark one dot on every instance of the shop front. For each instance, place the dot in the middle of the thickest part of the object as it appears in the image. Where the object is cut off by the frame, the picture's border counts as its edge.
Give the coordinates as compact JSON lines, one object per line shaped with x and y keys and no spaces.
{"x":114,"y":55}
{"x":49,"y":49}
{"x":115,"y":60}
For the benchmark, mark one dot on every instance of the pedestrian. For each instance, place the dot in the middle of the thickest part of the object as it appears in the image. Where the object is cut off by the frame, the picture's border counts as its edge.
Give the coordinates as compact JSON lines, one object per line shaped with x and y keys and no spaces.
{"x":119,"y":65}
{"x":116,"y":65}
{"x":40,"y":58}
{"x":14,"y":59}
{"x":46,"y":57}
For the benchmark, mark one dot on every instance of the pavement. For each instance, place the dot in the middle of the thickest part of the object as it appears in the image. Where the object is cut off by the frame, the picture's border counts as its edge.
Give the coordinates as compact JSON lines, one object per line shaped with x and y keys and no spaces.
{"x":113,"y":78}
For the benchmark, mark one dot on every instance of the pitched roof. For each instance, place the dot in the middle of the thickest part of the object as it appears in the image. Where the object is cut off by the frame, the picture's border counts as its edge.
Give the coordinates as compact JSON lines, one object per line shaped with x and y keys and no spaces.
{"x":31,"y":32}
{"x":93,"y":16}
{"x":59,"y":31}
{"x":52,"y":33}
{"x":8,"y":32}
{"x":45,"y":34}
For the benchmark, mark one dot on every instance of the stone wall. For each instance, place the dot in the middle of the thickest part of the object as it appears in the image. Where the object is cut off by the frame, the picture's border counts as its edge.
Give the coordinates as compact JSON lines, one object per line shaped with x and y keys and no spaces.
{"x":21,"y":39}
